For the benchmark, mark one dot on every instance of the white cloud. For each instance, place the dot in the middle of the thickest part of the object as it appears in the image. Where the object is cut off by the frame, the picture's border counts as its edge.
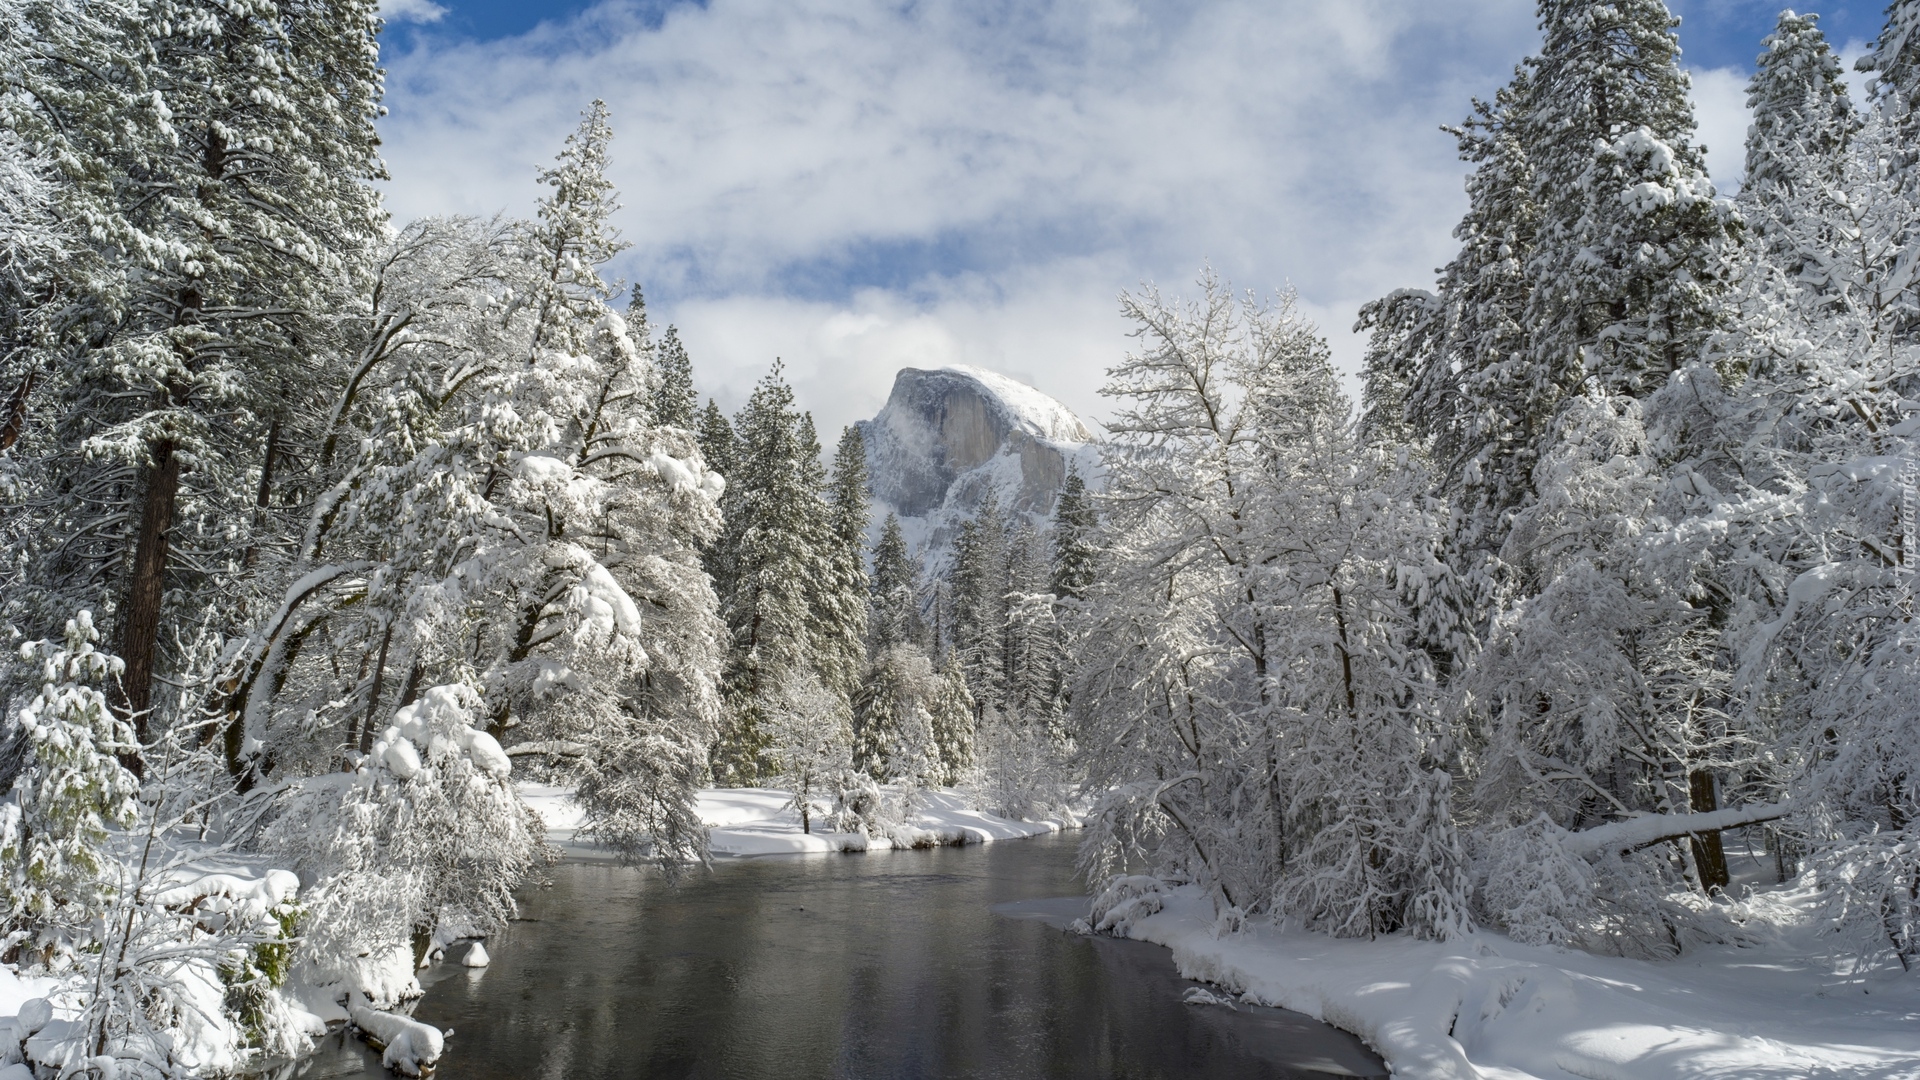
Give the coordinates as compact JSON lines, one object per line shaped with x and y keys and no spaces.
{"x":1000,"y":171}
{"x":419,"y":11}
{"x":1720,"y":111}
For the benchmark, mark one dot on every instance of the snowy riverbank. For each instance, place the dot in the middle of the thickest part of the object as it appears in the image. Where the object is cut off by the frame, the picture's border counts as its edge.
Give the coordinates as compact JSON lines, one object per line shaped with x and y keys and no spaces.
{"x":1489,"y":1009}
{"x":757,"y":821}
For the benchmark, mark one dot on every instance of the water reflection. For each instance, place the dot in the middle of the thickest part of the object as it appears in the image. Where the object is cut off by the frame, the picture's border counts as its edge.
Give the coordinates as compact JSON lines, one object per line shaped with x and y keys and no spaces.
{"x":878,"y":966}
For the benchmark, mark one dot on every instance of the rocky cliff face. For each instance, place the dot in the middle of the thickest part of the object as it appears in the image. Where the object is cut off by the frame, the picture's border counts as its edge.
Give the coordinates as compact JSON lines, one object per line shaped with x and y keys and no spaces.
{"x":949,"y":436}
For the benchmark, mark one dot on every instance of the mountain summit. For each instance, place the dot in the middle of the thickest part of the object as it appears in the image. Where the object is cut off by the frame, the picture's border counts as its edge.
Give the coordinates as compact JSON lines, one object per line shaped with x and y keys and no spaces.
{"x":950,"y":435}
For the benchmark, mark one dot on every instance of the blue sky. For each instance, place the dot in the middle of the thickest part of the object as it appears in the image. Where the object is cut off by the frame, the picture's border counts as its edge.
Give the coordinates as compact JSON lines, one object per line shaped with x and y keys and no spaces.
{"x":1716,"y":33}
{"x":862,"y":185}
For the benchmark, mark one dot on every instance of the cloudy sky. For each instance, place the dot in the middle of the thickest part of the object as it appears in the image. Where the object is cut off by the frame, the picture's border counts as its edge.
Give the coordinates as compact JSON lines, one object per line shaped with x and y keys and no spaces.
{"x":857,"y":186}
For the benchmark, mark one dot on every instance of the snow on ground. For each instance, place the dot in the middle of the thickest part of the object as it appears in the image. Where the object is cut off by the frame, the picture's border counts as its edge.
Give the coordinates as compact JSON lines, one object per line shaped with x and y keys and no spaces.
{"x":755,"y":821}
{"x":1487,"y":1008}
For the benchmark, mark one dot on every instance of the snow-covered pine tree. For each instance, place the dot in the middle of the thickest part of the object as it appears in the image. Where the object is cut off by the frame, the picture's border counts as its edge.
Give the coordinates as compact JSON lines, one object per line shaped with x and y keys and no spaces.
{"x":777,"y":565}
{"x":841,"y":606}
{"x":1030,"y":641}
{"x":1075,"y":557}
{"x":1475,"y":401}
{"x":978,"y":582}
{"x":895,"y":608}
{"x":674,"y":402}
{"x":1894,"y":59}
{"x":951,"y":712}
{"x":720,"y":448}
{"x":56,"y":874}
{"x":895,"y":739}
{"x":1802,"y":112}
{"x":1632,"y":246}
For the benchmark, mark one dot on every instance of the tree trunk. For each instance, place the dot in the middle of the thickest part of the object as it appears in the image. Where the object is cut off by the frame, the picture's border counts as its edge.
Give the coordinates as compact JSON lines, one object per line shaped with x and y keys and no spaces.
{"x":15,"y":420}
{"x":1708,"y":853}
{"x":263,"y":497}
{"x":140,"y":617}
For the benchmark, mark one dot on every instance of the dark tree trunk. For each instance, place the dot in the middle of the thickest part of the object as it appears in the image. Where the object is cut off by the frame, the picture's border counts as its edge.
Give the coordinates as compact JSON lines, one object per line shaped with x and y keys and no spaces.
{"x":263,"y":498}
{"x":1708,"y":853}
{"x":15,"y":420}
{"x":140,"y":616}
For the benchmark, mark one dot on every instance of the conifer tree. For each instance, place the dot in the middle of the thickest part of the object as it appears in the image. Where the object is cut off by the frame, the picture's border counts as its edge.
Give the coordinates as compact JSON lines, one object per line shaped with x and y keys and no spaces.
{"x":720,"y":448}
{"x":674,"y":402}
{"x":842,"y":602}
{"x":1894,"y":59}
{"x":1030,"y":636}
{"x":1074,"y":554}
{"x":979,"y":603}
{"x":718,"y":443}
{"x":1801,"y":109}
{"x":72,"y":789}
{"x":951,"y":713}
{"x":776,"y":564}
{"x":896,"y":592}
{"x":1630,"y":256}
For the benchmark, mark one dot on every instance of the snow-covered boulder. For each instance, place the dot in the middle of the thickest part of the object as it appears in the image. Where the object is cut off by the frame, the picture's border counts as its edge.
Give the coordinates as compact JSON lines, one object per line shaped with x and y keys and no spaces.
{"x":406,"y":1045}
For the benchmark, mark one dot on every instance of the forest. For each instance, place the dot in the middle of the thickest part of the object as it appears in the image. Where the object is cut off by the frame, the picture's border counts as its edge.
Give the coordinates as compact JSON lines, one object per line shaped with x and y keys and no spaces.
{"x":320,"y":529}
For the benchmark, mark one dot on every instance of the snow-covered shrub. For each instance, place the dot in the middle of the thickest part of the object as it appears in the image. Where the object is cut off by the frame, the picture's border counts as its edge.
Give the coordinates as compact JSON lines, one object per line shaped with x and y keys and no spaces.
{"x":426,"y":832}
{"x":1872,"y":888}
{"x":56,"y":873}
{"x":186,"y":982}
{"x":1533,"y":888}
{"x":1125,"y":900}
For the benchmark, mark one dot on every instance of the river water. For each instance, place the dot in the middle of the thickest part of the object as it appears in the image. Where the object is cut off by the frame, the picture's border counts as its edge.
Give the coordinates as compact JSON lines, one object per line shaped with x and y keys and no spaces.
{"x":904,"y":964}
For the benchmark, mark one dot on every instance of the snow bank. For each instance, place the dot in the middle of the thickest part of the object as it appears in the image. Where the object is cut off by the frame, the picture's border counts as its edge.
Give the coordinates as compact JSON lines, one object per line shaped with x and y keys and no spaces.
{"x":1487,"y":1008}
{"x":757,"y":821}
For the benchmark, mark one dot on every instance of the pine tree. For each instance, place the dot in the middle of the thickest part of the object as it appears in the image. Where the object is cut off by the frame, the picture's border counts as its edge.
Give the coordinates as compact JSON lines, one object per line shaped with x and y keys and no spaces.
{"x":841,"y":606}
{"x":951,"y":714}
{"x":895,"y":618}
{"x":54,"y":823}
{"x":1630,"y":256}
{"x":1031,"y":635}
{"x":1801,"y":109}
{"x":979,"y":603}
{"x":777,"y":566}
{"x":718,"y":443}
{"x":1894,"y":60}
{"x":1074,"y":554}
{"x":674,"y":402}
{"x":720,"y":448}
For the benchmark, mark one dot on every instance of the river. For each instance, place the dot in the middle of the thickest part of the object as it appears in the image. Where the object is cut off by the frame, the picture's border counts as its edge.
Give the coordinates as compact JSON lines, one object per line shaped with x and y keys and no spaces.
{"x":903,"y":964}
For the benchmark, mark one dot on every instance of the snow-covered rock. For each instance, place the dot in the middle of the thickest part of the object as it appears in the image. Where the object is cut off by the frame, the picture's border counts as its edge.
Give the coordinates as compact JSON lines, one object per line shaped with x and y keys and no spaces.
{"x":949,"y":436}
{"x":408,"y":1047}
